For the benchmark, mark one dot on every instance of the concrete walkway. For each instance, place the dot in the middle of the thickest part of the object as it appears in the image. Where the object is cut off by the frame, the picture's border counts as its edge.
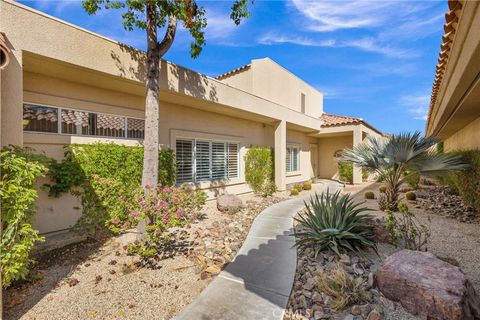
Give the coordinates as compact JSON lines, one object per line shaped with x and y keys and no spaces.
{"x":256,"y":285}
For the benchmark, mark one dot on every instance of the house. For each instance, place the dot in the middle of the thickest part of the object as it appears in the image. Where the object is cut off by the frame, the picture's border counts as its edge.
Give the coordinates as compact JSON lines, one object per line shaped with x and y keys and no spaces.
{"x":64,"y":84}
{"x":454,"y":114}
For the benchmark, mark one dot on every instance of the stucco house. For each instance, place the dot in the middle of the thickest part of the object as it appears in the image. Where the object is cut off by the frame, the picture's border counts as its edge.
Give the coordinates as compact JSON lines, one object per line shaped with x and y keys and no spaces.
{"x":64,"y":84}
{"x":454,"y":114}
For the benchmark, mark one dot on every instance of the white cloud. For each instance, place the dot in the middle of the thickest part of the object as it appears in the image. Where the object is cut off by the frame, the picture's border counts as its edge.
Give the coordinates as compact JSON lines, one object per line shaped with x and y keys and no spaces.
{"x":272,"y":39}
{"x":373,"y":45}
{"x":417,"y":105}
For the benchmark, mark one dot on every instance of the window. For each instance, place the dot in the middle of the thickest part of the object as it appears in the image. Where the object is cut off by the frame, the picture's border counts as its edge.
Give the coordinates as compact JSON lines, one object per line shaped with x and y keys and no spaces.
{"x":40,"y":119}
{"x":302,"y":102}
{"x":75,"y":122}
{"x":199,"y":160}
{"x":293,"y":159}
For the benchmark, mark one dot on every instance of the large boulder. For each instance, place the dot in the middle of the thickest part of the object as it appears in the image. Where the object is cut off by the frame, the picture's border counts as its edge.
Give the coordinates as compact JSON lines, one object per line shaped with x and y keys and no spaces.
{"x":428,"y":286}
{"x":229,"y":203}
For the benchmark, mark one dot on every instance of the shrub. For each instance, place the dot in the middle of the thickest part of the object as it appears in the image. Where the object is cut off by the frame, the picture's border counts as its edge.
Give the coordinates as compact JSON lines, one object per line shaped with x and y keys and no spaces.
{"x":412,"y":179}
{"x":342,"y":287}
{"x":259,"y":170}
{"x":18,"y":173}
{"x":369,"y":195}
{"x":382,"y":189}
{"x":405,"y":228}
{"x":345,"y":171}
{"x":100,"y":174}
{"x":294,"y":192}
{"x":410,"y":195}
{"x":335,"y":222}
{"x":307,"y":186}
{"x":299,"y":187}
{"x":467,"y":183}
{"x":162,"y":208}
{"x":365,"y":174}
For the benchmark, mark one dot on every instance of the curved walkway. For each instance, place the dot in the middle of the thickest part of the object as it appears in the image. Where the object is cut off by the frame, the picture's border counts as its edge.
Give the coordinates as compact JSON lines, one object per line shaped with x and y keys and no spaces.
{"x":256,"y":285}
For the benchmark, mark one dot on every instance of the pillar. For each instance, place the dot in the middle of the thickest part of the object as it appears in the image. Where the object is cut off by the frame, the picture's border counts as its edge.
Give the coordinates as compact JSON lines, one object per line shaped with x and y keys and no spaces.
{"x":357,"y":139}
{"x":280,"y":155}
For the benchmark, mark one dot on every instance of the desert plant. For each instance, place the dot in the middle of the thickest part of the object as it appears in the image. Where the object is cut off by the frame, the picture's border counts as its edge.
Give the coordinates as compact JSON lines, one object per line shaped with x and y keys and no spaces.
{"x":398,"y":156}
{"x":410,"y":195}
{"x":18,"y":174}
{"x":307,"y":186}
{"x":294,"y":192}
{"x":412,"y":179}
{"x":369,"y":195}
{"x":345,"y":172}
{"x":344,"y":288}
{"x":259,"y":170}
{"x":405,"y":228}
{"x":335,"y":222}
{"x":382,"y":189}
{"x":299,"y":187}
{"x":466,"y":183}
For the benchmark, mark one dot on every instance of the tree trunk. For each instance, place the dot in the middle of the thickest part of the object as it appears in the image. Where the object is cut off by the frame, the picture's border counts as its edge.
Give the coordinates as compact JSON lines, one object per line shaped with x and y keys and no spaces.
{"x":152,"y":127}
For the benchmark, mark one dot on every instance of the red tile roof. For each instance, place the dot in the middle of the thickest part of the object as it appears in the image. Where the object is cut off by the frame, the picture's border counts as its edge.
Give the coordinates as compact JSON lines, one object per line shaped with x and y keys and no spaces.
{"x":231,"y":73}
{"x":450,"y":27}
{"x":333,"y":120}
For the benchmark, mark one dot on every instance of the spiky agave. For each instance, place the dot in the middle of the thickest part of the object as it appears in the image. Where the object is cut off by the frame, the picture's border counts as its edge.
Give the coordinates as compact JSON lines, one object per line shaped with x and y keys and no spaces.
{"x":335,"y":221}
{"x":397,"y":157}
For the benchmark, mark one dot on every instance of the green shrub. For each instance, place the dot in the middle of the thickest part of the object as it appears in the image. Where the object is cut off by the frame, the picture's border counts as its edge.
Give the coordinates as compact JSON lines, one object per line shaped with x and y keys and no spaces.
{"x":294,"y":192}
{"x":405,"y":228}
{"x":259,"y":170}
{"x":410,"y":195}
{"x":467,"y":183}
{"x":307,"y":186}
{"x":382,"y":189}
{"x":100,"y":174}
{"x":299,"y":187}
{"x":17,"y":194}
{"x":412,"y":179}
{"x":345,"y":172}
{"x":369,"y":195}
{"x":335,"y":222}
{"x":163,"y":208}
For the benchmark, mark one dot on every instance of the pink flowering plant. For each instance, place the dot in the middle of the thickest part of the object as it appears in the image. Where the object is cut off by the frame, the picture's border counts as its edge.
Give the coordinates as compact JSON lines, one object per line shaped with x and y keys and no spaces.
{"x":162,"y":208}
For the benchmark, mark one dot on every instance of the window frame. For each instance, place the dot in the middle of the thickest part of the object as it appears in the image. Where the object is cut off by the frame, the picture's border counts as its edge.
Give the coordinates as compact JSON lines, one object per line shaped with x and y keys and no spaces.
{"x":226,"y":143}
{"x":292,"y":170}
{"x":59,"y":121}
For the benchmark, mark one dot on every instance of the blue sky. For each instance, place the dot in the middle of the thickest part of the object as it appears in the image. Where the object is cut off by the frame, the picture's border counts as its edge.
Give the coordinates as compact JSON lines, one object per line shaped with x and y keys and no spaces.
{"x":371,"y":59}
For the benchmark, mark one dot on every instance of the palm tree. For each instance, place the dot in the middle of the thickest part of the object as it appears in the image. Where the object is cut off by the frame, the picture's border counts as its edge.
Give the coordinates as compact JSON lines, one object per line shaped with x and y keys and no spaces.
{"x":396,"y":157}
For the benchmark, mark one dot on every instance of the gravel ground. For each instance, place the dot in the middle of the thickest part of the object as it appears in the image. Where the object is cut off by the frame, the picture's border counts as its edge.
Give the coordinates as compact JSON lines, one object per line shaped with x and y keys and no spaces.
{"x":98,"y":280}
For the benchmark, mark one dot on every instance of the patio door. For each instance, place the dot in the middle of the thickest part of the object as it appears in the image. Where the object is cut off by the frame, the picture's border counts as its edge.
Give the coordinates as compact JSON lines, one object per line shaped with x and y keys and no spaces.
{"x":314,"y":160}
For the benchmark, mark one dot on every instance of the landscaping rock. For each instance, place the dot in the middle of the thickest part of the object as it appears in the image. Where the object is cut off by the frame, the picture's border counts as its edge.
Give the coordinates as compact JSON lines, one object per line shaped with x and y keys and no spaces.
{"x":229,"y":203}
{"x":427,"y":286}
{"x":380,"y":231}
{"x":374,"y":315}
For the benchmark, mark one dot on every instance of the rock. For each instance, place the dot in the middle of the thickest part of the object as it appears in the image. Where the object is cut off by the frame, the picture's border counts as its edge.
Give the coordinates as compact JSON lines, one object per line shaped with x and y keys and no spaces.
{"x":427,"y":286}
{"x":374,"y":315}
{"x":349,"y":317}
{"x":380,"y":231}
{"x":371,"y":280}
{"x":317,"y":297}
{"x":365,"y":310}
{"x":229,"y":203}
{"x":356,"y":310}
{"x":310,"y":284}
{"x":345,"y":259}
{"x":319,"y":314}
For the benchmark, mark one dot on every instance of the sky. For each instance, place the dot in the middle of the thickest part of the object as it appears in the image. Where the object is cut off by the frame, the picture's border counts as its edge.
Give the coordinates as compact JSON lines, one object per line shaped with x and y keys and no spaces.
{"x":371,"y":59}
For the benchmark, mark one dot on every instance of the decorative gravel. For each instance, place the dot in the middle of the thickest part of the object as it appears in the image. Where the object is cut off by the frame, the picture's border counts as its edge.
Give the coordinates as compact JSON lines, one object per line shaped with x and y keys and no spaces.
{"x":98,"y":280}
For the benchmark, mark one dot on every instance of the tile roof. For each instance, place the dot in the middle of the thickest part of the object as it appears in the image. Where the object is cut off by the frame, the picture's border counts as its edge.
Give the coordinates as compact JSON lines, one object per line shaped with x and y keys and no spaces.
{"x":450,"y":27}
{"x":333,"y":120}
{"x":231,"y":73}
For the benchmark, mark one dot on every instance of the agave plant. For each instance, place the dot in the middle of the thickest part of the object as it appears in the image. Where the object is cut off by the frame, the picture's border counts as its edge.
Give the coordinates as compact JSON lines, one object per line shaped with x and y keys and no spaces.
{"x":335,"y":222}
{"x":395,"y":158}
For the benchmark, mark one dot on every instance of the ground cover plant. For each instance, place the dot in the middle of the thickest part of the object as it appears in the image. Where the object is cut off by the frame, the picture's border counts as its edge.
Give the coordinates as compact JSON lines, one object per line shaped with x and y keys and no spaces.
{"x":259,"y":170}
{"x":398,"y":157}
{"x":18,"y":172}
{"x":334,"y":222}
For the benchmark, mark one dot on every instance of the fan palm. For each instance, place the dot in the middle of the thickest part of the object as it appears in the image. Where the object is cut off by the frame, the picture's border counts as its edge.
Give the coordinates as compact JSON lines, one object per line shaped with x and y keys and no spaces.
{"x":397,"y":157}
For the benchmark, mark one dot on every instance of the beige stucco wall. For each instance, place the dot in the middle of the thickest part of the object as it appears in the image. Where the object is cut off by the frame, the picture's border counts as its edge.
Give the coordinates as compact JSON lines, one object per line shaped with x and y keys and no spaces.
{"x":464,"y":139}
{"x":327,"y":167}
{"x":266,"y":79}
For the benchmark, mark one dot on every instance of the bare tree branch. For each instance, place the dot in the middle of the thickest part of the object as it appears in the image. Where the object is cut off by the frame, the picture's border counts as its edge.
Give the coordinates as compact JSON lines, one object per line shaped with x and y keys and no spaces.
{"x":167,"y":40}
